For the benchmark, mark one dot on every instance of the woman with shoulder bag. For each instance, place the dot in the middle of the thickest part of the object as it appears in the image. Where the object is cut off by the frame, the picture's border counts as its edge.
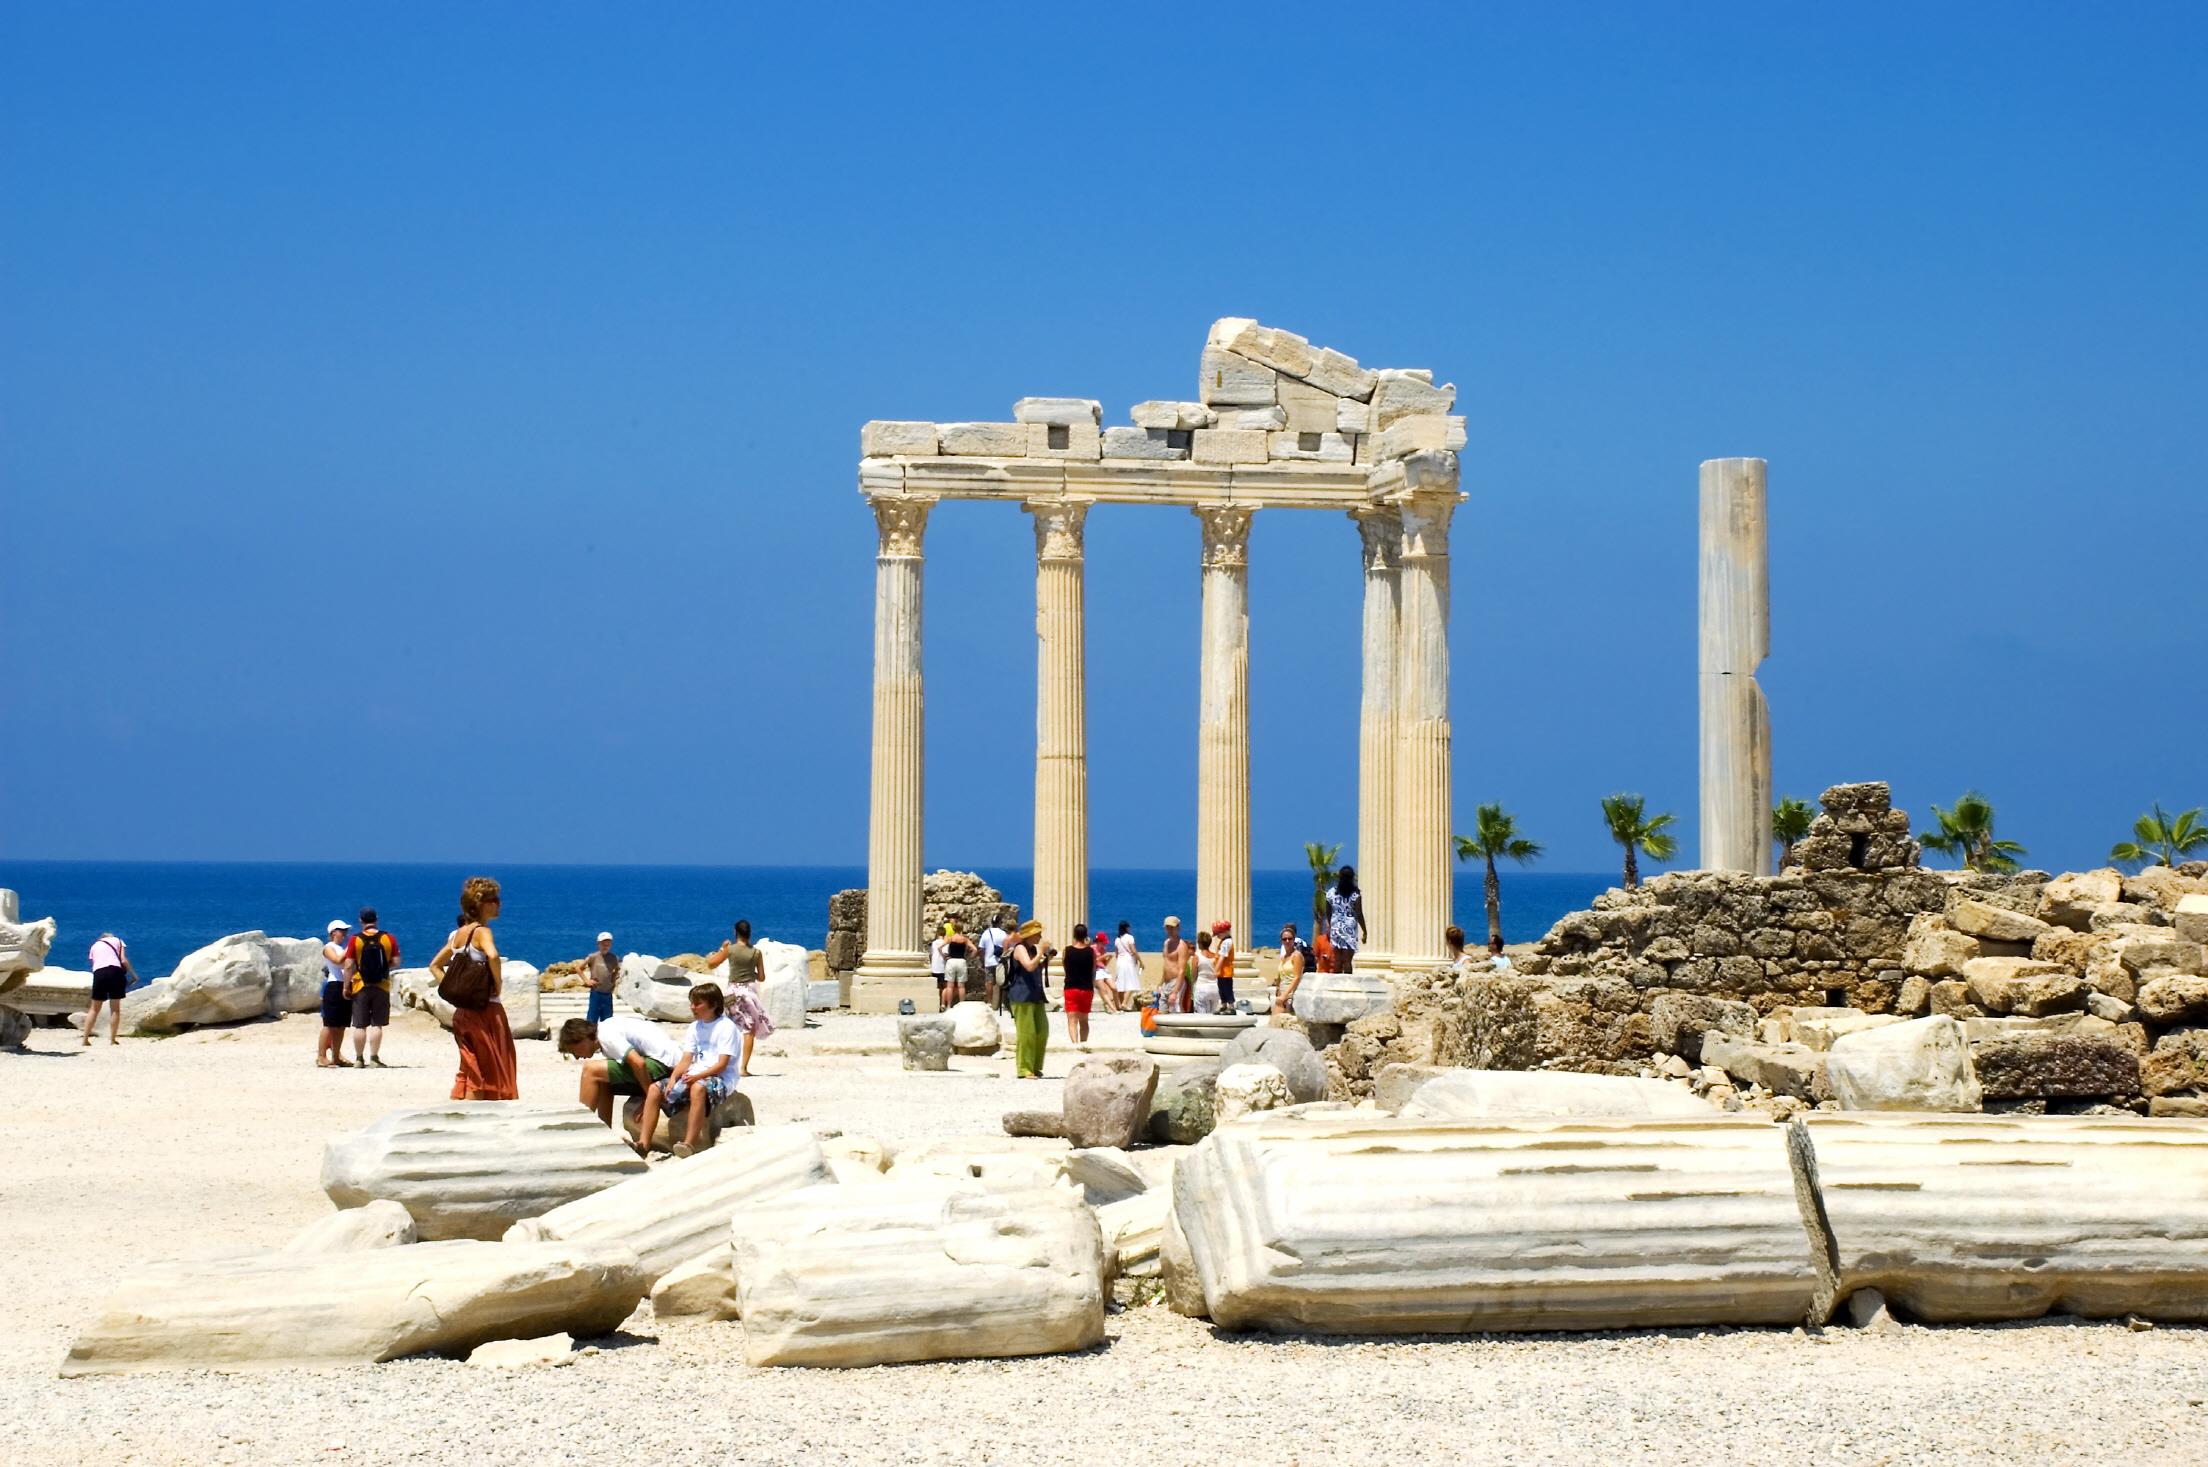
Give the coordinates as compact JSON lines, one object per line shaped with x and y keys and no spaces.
{"x":469,"y":971}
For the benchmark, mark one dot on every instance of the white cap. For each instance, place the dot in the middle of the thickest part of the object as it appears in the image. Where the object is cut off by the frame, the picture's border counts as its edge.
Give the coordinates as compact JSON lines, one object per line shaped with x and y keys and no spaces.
{"x":605,"y":937}
{"x":340,"y":927}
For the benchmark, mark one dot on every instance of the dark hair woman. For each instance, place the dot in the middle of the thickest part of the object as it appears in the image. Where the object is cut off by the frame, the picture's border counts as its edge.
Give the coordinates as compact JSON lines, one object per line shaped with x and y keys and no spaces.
{"x":1345,"y":919}
{"x":486,"y":1041}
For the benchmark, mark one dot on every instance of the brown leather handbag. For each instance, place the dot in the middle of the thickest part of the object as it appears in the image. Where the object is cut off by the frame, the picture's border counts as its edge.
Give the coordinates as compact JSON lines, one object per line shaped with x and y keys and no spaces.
{"x":468,"y":982}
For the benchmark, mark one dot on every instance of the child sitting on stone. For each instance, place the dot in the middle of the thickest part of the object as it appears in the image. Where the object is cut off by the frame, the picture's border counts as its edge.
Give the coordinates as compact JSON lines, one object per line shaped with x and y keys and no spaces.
{"x":703,"y":1078}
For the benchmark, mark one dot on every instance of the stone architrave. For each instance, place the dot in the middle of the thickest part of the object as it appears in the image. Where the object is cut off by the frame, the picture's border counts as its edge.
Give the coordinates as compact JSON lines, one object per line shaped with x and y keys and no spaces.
{"x":1380,"y":529}
{"x":1735,"y":606}
{"x":1061,"y":720}
{"x":1425,"y":859}
{"x":1223,"y":723}
{"x":894,"y":966}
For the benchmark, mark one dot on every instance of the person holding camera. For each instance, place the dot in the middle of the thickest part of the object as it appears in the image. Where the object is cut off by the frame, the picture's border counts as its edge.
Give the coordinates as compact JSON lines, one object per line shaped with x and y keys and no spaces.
{"x":1027,"y":969}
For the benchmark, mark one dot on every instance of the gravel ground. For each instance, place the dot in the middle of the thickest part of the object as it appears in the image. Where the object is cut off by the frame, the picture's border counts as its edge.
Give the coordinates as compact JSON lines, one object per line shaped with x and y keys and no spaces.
{"x":212,"y":1142}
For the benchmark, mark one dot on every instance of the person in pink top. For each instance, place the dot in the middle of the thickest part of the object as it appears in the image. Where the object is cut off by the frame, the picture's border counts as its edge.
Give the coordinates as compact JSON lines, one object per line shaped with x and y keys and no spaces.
{"x":111,"y":975}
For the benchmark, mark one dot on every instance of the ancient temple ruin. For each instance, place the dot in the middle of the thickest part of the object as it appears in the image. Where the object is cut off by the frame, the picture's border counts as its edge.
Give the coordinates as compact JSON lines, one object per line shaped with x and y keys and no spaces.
{"x":1276,"y":424}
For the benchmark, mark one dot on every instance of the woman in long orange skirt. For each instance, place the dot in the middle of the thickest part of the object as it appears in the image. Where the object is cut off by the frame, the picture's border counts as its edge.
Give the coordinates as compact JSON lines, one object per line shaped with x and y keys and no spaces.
{"x":486,"y":1041}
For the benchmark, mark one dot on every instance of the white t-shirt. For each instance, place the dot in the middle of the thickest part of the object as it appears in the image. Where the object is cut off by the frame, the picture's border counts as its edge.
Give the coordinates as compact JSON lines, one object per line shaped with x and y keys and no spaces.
{"x":994,"y":940}
{"x":624,"y":1032}
{"x":709,"y":1039}
{"x":935,"y":957}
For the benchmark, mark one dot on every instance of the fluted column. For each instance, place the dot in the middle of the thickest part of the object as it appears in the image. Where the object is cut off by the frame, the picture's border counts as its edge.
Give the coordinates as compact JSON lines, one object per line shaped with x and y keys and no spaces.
{"x":1423,"y":851}
{"x":1223,"y":725}
{"x":1381,"y":530}
{"x":1735,"y":607}
{"x":895,"y":965}
{"x":1061,"y":724}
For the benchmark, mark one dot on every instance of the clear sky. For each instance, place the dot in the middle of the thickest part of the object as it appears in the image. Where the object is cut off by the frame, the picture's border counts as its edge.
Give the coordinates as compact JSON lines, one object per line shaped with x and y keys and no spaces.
{"x":429,"y":432}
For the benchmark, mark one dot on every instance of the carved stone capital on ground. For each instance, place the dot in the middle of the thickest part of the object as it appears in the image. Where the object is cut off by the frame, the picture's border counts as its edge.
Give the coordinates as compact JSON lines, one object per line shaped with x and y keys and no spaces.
{"x":1226,"y":535}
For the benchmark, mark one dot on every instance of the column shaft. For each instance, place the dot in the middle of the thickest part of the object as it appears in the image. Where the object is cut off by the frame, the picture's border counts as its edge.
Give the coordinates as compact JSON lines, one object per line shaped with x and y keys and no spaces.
{"x":1223,"y":727}
{"x":1061,"y":725}
{"x":1424,"y":854}
{"x":895,"y":964}
{"x":1381,"y":531}
{"x":1735,"y":616}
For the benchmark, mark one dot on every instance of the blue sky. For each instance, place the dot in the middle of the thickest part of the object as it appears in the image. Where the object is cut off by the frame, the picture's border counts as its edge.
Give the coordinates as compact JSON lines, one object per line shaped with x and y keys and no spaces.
{"x":430,"y":432}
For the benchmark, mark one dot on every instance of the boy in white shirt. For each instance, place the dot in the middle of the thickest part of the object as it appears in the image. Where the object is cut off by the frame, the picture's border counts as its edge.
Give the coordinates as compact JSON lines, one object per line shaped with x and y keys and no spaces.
{"x":621,"y":1055}
{"x":702,"y":1078}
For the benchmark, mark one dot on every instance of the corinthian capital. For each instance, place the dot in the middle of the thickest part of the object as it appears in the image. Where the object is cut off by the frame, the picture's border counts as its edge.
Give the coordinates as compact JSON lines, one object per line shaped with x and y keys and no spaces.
{"x":1226,"y":535}
{"x":1381,"y":529}
{"x":1059,"y":527}
{"x":901,"y":520}
{"x":1426,"y":524}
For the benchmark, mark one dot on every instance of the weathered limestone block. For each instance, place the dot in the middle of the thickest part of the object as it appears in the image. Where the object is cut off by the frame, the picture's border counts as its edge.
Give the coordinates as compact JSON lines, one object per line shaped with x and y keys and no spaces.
{"x":1340,"y":375}
{"x":703,"y":1287}
{"x":885,"y":438}
{"x":1937,"y":950}
{"x":2069,"y":900}
{"x":294,"y":974}
{"x":2177,"y":998}
{"x":1078,"y":440}
{"x":554,"y":1349}
{"x":1677,"y":1022}
{"x":1060,"y":412}
{"x":1923,"y":1064}
{"x":1406,"y":436}
{"x":1286,"y":1051}
{"x":1363,"y":1226}
{"x":472,"y":1169}
{"x":2189,"y":919}
{"x":1990,"y":923}
{"x":1266,"y":420}
{"x":997,"y":1163}
{"x":47,"y":992}
{"x":654,"y":989}
{"x":1106,"y":1174}
{"x":983,"y":440}
{"x":1818,"y":1028}
{"x":2055,"y":1065}
{"x":222,"y":983}
{"x":1106,"y":1099}
{"x":785,"y":971}
{"x":2024,"y":986}
{"x":1184,"y":1107}
{"x":2178,"y":1064}
{"x":1228,"y":446}
{"x":844,"y":1276}
{"x":1133,"y":1229}
{"x":1172,"y":415}
{"x":1341,"y":998}
{"x":1283,"y":351}
{"x":925,"y":1041}
{"x":1494,"y":1095}
{"x":1783,"y":1069}
{"x":1402,"y":394}
{"x":23,"y":945}
{"x":354,"y":1229}
{"x":2158,"y":951}
{"x":1309,"y":409}
{"x":15,"y":1028}
{"x":1310,"y":447}
{"x":1247,"y":1088}
{"x":734,"y":1110}
{"x":1227,"y":379}
{"x":1966,"y":1219}
{"x":2161,"y":888}
{"x":292,"y":1309}
{"x":974,"y":1028}
{"x":1154,"y":443}
{"x":680,"y":1209}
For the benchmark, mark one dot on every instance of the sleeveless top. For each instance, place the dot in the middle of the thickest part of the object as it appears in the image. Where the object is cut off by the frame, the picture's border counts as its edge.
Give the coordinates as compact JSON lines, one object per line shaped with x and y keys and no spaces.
{"x":1341,"y":920}
{"x":743,"y":963}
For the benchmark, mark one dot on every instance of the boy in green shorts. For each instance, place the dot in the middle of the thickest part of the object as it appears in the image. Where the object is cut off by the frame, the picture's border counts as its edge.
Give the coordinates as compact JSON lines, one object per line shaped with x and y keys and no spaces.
{"x":621,"y":1055}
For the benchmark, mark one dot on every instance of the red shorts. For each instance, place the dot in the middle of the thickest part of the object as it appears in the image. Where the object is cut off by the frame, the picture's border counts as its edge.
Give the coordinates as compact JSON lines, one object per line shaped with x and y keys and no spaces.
{"x":1078,"y":1000}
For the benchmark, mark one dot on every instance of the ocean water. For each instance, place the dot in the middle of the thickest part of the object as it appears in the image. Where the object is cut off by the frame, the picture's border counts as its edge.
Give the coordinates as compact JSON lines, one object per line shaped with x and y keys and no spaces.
{"x":167,"y":909}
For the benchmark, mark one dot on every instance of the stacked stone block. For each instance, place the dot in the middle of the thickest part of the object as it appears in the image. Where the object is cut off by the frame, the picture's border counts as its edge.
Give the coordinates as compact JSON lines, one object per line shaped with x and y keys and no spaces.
{"x":1860,"y":830}
{"x":946,"y":896}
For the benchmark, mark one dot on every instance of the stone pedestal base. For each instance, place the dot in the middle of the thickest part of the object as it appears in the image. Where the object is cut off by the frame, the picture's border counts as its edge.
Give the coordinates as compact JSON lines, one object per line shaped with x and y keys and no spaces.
{"x":884,"y":978}
{"x":1343,"y":998}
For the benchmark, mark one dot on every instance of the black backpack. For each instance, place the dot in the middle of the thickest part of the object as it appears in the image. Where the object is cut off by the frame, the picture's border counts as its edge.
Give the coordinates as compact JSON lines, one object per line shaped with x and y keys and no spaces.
{"x":375,"y":959}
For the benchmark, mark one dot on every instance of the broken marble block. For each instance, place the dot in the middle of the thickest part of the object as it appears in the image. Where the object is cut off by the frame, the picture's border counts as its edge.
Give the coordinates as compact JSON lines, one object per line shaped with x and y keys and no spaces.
{"x":1400,"y":394}
{"x":222,"y":983}
{"x":1374,"y":1225}
{"x":1106,"y":1099}
{"x":1966,"y":1219}
{"x":1229,"y":446}
{"x":1143,"y":443}
{"x":984,"y":440}
{"x":702,"y":1288}
{"x":904,"y":1271}
{"x":1489,"y":1095}
{"x":926,"y":1042}
{"x":288,"y":1309}
{"x":1172,"y":415}
{"x":886,"y":439}
{"x":1059,"y":412}
{"x":472,"y":1169}
{"x":380,"y":1224}
{"x":1228,"y":380}
{"x":1283,"y":351}
{"x":1923,"y":1064}
{"x":682,"y":1208}
{"x":1406,"y":436}
{"x":1000,"y":1163}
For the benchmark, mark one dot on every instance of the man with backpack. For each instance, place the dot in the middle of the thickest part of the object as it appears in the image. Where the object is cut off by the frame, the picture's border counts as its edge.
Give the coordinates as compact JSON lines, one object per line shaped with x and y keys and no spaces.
{"x":373,"y":953}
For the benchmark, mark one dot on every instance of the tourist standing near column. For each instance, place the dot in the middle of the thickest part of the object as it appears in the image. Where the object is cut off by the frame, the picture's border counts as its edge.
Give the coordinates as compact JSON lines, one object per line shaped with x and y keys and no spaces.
{"x":603,"y":970}
{"x":1173,"y":957}
{"x":337,"y":1009}
{"x":1024,"y":989}
{"x":374,"y":954}
{"x":1126,"y":967}
{"x":1345,"y":919}
{"x":1079,"y":982}
{"x":111,"y":975}
{"x":1101,"y":947}
{"x":994,"y":941}
{"x":1205,"y":995}
{"x":1295,"y":961}
{"x":1222,"y":962}
{"x":747,"y":970}
{"x":485,"y":1040}
{"x":935,"y":967}
{"x":957,"y":951}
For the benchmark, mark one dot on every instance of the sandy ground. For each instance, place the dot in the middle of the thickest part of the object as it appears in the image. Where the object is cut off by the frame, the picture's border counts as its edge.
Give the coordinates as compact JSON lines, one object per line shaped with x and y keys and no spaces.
{"x":211,"y":1142}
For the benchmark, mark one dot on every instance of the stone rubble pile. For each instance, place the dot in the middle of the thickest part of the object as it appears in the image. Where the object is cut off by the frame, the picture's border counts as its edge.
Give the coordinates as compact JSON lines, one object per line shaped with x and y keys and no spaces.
{"x":1263,"y":396}
{"x":945,"y":896}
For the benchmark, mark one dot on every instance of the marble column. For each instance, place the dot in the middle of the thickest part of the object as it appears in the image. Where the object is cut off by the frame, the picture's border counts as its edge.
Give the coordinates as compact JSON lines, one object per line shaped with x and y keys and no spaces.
{"x":895,"y":965}
{"x":1735,"y":607}
{"x":1424,"y":852}
{"x":1061,"y":727}
{"x":1223,"y":727}
{"x":1381,"y":530}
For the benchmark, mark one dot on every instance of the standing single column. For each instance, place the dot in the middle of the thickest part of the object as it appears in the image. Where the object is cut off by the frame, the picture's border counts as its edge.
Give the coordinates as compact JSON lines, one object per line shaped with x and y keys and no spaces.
{"x":1735,"y":638}
{"x":1381,"y":530}
{"x":1424,"y":857}
{"x":1061,"y":723}
{"x":1223,"y":727}
{"x":895,"y":965}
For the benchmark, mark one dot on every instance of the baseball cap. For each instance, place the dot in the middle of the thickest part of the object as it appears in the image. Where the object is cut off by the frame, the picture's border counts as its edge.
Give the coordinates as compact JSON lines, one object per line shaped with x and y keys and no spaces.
{"x":340,"y":926}
{"x":605,"y":937}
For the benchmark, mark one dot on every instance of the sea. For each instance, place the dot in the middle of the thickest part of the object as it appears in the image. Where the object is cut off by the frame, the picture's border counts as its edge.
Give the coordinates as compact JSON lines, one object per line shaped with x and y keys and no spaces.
{"x":165,"y":910}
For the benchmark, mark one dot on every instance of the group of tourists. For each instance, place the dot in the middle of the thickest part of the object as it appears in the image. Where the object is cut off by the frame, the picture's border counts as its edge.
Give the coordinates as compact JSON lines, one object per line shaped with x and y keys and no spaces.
{"x":356,"y":993}
{"x":629,"y":1055}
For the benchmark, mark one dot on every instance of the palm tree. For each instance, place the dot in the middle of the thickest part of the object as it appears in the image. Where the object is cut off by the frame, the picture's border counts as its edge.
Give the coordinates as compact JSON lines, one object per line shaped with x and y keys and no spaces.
{"x":1789,"y":823}
{"x":2160,"y":838}
{"x":1638,"y":832}
{"x":1498,"y":836}
{"x":1966,"y":833}
{"x":1322,"y":877}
